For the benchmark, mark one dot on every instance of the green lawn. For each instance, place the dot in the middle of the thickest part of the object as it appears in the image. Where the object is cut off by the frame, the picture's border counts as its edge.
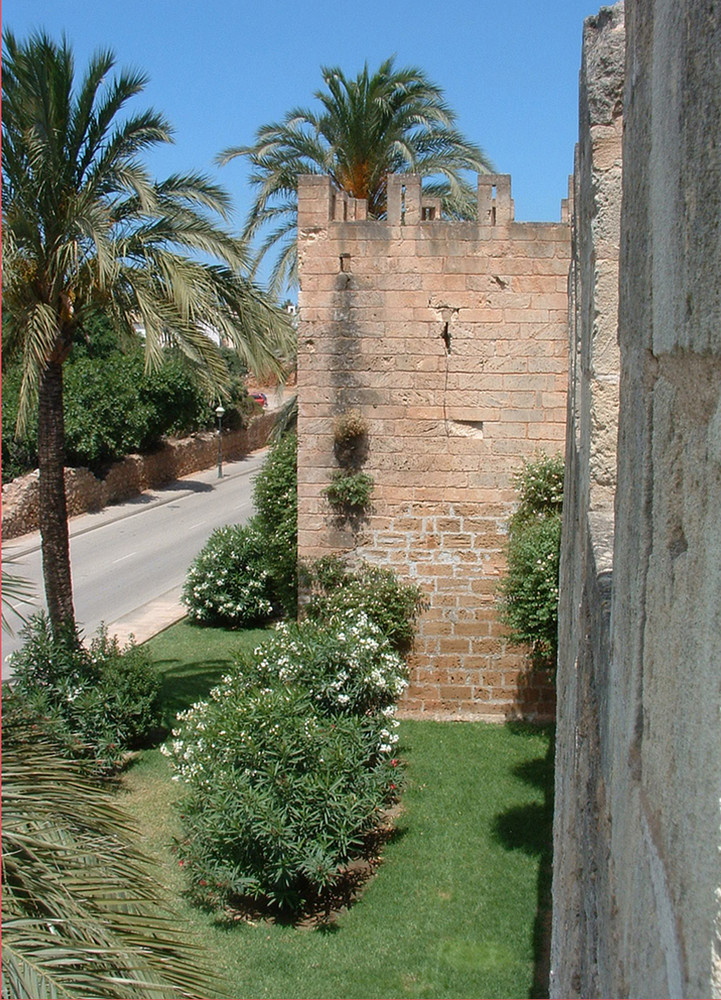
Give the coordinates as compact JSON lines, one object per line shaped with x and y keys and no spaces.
{"x":454,"y":908}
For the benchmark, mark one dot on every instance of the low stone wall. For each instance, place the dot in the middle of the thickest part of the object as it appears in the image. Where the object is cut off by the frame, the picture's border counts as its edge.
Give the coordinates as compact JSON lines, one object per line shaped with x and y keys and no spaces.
{"x":134,"y":474}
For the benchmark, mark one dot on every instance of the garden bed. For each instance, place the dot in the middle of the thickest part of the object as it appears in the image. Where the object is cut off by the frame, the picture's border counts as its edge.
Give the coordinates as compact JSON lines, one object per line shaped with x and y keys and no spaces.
{"x":453,"y":908}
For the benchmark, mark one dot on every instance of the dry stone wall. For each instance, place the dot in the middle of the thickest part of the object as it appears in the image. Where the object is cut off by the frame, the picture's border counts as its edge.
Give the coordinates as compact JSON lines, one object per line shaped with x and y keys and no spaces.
{"x":449,"y":339}
{"x":135,"y":473}
{"x":637,"y":845}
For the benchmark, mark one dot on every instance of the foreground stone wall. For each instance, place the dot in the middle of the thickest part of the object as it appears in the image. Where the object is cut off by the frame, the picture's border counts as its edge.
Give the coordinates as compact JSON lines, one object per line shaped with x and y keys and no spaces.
{"x":135,"y":473}
{"x":580,"y":878}
{"x":638,"y":868}
{"x":449,"y":339}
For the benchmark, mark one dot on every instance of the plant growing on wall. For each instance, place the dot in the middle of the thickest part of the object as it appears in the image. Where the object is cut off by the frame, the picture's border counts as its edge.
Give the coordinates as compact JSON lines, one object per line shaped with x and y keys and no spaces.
{"x":350,"y":439}
{"x":349,"y":492}
{"x":529,"y":592}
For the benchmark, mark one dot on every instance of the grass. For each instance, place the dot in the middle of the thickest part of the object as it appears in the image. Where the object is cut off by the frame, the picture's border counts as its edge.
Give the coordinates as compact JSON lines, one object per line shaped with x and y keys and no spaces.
{"x":453,"y":910}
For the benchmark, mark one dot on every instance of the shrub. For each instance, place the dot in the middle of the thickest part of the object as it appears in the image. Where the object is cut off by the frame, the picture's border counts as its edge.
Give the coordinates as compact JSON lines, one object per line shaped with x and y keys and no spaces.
{"x":99,"y":701}
{"x":349,"y":492}
{"x":228,"y":582}
{"x":345,"y":663}
{"x":529,"y":592}
{"x":275,"y":494}
{"x":280,"y":794}
{"x":392,"y":606}
{"x":113,"y":407}
{"x":540,"y":487}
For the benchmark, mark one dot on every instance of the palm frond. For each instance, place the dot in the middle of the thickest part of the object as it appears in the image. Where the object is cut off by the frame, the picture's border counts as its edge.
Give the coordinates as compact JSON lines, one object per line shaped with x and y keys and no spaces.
{"x":82,"y":913}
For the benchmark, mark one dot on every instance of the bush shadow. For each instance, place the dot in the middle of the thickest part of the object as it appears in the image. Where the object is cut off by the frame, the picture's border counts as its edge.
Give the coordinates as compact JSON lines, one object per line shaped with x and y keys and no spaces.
{"x":529,"y":828}
{"x":185,"y":683}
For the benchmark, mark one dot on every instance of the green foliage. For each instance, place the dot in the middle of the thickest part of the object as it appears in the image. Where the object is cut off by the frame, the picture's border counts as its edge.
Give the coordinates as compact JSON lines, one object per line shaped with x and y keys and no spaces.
{"x":114,"y":407}
{"x":275,"y":494}
{"x":280,"y":794}
{"x":99,"y":702}
{"x":345,"y":662}
{"x":540,"y":487}
{"x":349,"y":492}
{"x":228,"y":583}
{"x":290,"y":763}
{"x":246,"y":573}
{"x":83,"y":914}
{"x":393,"y":120}
{"x":529,"y":592}
{"x":392,"y":606}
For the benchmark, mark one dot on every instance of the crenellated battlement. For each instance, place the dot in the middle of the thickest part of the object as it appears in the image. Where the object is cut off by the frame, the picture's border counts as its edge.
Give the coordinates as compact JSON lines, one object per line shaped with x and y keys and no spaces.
{"x":321,"y":203}
{"x":450,"y":339}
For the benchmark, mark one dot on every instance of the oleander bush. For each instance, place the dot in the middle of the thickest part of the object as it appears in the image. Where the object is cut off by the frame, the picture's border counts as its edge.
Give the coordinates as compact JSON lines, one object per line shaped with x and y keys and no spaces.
{"x":280,"y":794}
{"x":290,"y":764}
{"x":228,"y":582}
{"x":529,"y":592}
{"x":345,"y":663}
{"x":275,"y":495}
{"x":392,"y":606}
{"x":98,"y":701}
{"x":247,"y":574}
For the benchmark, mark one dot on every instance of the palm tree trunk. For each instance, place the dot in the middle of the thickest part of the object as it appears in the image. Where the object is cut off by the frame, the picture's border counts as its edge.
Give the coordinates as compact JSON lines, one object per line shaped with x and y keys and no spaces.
{"x":52,"y":506}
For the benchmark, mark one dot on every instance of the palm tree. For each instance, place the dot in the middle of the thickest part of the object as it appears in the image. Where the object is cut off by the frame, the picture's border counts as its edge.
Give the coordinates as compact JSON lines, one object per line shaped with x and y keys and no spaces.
{"x":84,"y":229}
{"x":82,"y":914}
{"x":394,"y":121}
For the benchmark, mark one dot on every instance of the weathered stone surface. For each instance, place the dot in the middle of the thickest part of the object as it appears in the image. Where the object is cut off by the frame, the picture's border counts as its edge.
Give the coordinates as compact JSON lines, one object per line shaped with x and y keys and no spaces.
{"x":581,"y":876}
{"x":637,"y":869}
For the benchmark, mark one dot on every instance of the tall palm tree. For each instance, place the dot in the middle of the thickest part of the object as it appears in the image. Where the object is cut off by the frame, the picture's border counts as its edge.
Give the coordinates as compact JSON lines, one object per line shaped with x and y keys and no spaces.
{"x":393,"y":121}
{"x":85,"y":228}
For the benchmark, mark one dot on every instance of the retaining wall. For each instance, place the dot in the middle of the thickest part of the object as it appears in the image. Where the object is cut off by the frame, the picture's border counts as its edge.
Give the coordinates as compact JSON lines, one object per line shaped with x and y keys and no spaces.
{"x":134,"y":474}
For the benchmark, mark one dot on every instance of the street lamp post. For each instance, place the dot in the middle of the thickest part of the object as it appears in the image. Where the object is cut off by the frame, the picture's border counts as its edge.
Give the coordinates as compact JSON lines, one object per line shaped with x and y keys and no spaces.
{"x":219,"y":411}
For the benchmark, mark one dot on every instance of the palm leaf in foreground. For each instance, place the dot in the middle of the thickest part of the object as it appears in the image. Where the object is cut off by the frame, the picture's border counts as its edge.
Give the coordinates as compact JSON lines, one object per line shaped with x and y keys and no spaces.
{"x":81,"y":911}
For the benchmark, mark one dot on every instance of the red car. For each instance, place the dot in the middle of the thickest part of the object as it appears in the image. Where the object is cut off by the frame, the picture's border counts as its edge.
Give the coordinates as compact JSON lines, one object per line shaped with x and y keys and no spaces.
{"x":260,"y":398}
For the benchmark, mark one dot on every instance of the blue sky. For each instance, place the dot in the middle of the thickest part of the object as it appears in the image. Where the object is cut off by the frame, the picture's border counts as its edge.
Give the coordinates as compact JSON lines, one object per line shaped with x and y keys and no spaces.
{"x":220,"y":68}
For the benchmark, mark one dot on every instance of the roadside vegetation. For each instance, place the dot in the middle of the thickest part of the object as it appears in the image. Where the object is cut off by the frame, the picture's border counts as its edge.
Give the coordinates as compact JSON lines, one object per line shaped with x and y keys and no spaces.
{"x":113,"y":407}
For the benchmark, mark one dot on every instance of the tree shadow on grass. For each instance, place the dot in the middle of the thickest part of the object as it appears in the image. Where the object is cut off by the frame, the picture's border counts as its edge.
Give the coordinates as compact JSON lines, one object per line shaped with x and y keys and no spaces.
{"x":185,"y":683}
{"x":529,"y":828}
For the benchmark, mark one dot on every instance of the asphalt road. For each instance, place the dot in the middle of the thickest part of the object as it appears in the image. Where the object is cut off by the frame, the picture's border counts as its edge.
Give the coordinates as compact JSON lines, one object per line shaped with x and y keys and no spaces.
{"x":129,"y":560}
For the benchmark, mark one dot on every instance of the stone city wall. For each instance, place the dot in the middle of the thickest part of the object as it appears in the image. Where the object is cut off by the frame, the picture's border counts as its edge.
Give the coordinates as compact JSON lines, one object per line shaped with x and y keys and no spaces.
{"x":637,"y":861}
{"x":580,"y":872}
{"x":449,"y":339}
{"x":135,"y":473}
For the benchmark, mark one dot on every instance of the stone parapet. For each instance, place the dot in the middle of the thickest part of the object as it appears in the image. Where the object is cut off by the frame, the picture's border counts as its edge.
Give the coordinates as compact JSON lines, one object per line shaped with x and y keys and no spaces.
{"x":135,"y":473}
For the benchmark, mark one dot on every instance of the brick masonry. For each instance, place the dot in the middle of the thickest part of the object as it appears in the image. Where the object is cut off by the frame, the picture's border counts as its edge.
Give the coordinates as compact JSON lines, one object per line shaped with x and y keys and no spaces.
{"x":450,"y":339}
